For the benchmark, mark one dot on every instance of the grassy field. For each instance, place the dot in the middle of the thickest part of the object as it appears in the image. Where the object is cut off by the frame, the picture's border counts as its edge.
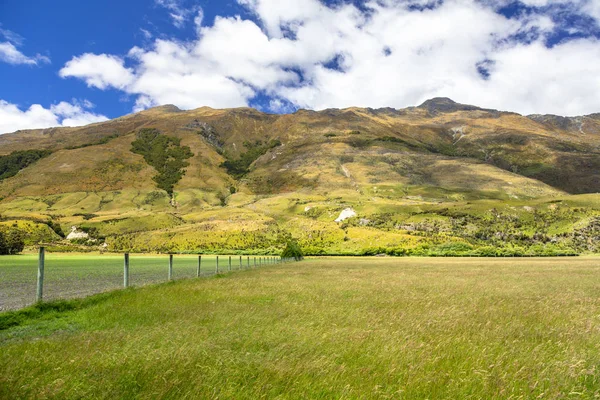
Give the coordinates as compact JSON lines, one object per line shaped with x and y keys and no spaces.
{"x":71,"y":276}
{"x":325,"y":328}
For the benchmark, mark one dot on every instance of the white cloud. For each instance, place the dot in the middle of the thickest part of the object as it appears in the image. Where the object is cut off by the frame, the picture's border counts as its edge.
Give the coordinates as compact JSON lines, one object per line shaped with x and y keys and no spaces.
{"x":592,"y":7}
{"x":11,"y":36}
{"x":198,"y":19}
{"x":311,"y":55}
{"x":146,"y":33}
{"x":100,"y":71}
{"x":10,"y":54}
{"x":589,"y":7}
{"x":12,"y":118}
{"x":178,"y":11}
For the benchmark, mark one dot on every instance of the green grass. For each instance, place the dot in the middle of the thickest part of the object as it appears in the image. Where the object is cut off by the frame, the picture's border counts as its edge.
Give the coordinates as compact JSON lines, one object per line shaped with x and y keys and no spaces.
{"x":75,"y":275}
{"x":326,"y":328}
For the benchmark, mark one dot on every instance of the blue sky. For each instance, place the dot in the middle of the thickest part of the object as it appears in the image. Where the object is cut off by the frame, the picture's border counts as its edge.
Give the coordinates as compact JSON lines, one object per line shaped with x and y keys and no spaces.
{"x":73,"y":62}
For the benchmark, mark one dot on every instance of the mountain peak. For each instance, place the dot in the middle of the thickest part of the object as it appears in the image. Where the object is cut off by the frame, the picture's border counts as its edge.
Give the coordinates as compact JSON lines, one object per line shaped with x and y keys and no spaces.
{"x":169,"y":108}
{"x":447,"y":105}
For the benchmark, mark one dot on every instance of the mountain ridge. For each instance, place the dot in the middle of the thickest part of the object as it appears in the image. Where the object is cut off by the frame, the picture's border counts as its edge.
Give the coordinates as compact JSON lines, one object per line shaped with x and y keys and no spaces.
{"x":435,"y":104}
{"x":268,"y":175}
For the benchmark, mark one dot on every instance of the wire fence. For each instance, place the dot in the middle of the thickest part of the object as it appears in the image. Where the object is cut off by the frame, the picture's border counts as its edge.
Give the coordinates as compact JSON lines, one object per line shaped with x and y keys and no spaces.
{"x":50,"y":276}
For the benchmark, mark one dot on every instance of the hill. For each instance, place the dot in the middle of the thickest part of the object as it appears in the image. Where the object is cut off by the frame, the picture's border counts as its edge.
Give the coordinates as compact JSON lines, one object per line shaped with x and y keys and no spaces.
{"x":440,"y":178}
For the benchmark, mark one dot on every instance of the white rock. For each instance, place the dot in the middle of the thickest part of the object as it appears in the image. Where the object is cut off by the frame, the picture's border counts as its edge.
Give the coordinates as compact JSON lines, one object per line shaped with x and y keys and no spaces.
{"x":347,"y":213}
{"x":307,"y":208}
{"x":75,"y":234}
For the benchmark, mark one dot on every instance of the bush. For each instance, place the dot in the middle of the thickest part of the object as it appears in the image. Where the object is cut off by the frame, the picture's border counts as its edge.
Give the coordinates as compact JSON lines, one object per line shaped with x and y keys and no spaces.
{"x":55,"y":226}
{"x":450,"y":249}
{"x":11,"y":242}
{"x":292,"y":250}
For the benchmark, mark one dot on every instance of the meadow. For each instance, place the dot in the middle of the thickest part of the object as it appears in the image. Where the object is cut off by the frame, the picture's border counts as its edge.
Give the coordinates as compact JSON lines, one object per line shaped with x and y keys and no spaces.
{"x":77,"y":275}
{"x":343,"y":328}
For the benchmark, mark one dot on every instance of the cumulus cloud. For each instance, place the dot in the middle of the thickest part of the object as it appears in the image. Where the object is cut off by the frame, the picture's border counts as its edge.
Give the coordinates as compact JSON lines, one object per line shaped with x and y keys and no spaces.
{"x":386,"y":53}
{"x":98,"y":70}
{"x":12,"y":118}
{"x":9,"y":52}
{"x":592,"y":7}
{"x":589,"y":7}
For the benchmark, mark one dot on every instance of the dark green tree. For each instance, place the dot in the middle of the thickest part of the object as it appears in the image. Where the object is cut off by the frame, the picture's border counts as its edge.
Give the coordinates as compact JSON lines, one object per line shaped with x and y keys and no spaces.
{"x":15,"y":241}
{"x":3,"y":244}
{"x":11,"y":241}
{"x":292,"y":250}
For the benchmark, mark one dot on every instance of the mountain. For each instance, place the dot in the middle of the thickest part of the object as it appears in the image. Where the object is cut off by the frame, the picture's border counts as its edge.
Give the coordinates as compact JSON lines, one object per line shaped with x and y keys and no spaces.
{"x":253,"y":179}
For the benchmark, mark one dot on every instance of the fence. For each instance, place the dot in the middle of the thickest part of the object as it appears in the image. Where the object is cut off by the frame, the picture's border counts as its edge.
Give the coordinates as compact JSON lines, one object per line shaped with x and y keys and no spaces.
{"x":60,"y":277}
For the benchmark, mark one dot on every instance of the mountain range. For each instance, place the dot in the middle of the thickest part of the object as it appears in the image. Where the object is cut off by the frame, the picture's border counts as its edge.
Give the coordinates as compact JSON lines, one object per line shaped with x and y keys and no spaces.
{"x":439,"y":178}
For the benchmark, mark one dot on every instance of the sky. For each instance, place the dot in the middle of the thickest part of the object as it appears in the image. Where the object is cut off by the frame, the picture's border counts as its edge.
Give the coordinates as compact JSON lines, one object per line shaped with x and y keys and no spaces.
{"x":73,"y":62}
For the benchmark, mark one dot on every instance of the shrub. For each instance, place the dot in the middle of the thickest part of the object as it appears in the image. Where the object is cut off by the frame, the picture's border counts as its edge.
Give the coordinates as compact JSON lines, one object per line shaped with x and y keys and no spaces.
{"x":85,"y":216}
{"x":451,"y":249}
{"x":222,"y":196}
{"x":292,"y":250}
{"x":11,"y":242}
{"x":55,"y":226}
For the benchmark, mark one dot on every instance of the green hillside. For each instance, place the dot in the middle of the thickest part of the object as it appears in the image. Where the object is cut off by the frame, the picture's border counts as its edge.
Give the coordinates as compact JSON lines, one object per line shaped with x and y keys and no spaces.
{"x":439,"y":179}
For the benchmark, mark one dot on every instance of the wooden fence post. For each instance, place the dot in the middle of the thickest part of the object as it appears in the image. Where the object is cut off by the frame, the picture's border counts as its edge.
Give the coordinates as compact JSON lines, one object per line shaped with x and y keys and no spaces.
{"x":199,"y":265}
{"x":248,"y":261}
{"x":170,"y":266}
{"x":229,"y":263}
{"x":217,"y":270}
{"x":126,"y":271}
{"x":40,"y":277}
{"x":240,"y":262}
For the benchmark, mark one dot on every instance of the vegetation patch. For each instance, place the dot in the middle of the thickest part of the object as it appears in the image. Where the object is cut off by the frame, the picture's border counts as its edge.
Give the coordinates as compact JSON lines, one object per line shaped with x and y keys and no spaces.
{"x":102,"y":141}
{"x":12,"y":163}
{"x":241,"y":166}
{"x":292,"y":250}
{"x":165,"y":154}
{"x":11,"y":241}
{"x":48,"y":310}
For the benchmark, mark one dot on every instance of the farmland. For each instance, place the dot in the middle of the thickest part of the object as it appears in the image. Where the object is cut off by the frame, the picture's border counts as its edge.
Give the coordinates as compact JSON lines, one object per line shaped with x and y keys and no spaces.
{"x":71,"y":276}
{"x":326,"y":328}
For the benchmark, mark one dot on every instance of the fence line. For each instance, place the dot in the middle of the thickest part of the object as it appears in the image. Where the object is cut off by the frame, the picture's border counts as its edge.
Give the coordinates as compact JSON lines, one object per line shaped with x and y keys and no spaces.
{"x":258,"y":262}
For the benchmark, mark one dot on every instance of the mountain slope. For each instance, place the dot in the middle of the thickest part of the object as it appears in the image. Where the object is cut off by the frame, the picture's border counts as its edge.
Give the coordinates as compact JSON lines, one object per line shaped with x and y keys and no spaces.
{"x":260,"y":169}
